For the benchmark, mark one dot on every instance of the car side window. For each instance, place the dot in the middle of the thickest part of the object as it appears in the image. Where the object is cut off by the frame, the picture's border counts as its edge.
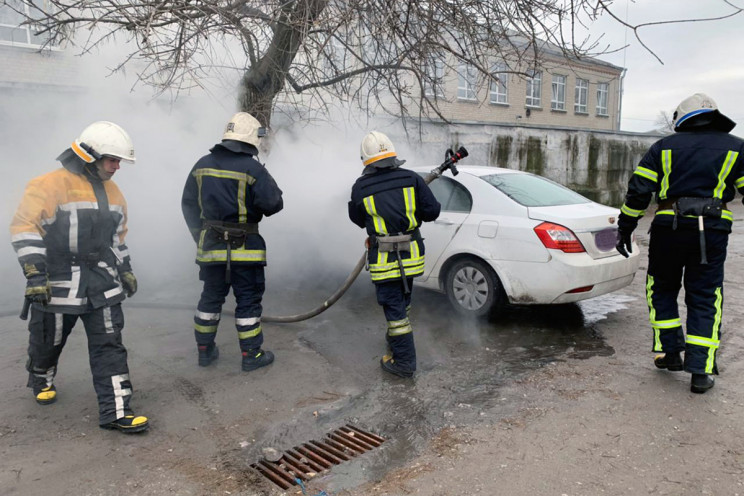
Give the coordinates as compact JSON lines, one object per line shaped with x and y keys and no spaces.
{"x":451,"y":195}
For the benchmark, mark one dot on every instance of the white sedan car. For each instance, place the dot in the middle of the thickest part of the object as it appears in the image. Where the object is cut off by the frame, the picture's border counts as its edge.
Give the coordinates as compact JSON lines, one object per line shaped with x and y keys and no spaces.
{"x":511,"y":236}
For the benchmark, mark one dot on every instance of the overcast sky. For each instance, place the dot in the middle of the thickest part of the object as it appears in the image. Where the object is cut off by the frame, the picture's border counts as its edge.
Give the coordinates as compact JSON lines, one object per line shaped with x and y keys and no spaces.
{"x":703,"y":57}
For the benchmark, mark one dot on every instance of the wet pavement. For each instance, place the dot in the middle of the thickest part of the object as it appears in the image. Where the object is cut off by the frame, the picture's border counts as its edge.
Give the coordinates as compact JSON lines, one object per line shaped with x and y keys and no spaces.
{"x":210,"y":424}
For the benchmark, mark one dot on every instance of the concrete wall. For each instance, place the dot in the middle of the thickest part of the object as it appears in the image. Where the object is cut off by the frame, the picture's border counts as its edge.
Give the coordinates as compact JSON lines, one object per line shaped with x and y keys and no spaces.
{"x":596,"y":164}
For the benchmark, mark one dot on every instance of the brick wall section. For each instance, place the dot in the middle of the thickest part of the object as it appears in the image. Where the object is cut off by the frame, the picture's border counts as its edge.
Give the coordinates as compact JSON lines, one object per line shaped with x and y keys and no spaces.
{"x":31,"y":67}
{"x":516,"y":110}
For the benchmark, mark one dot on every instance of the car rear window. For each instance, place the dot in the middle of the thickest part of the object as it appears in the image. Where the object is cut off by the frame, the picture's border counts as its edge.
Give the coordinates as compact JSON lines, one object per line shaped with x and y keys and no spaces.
{"x":534,"y":191}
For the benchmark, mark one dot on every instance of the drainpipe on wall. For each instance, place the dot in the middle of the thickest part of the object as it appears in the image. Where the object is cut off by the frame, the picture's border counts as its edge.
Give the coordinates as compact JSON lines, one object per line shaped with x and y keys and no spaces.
{"x":620,"y":99}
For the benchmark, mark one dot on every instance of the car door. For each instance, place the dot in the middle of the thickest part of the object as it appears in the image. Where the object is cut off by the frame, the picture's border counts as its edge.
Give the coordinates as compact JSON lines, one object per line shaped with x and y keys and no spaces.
{"x":456,"y":203}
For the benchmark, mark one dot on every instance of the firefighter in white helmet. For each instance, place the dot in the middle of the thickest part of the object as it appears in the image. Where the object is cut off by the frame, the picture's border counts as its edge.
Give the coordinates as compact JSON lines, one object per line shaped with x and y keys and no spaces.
{"x":693,"y":173}
{"x":226,"y":195}
{"x":391,"y":203}
{"x":69,"y":234}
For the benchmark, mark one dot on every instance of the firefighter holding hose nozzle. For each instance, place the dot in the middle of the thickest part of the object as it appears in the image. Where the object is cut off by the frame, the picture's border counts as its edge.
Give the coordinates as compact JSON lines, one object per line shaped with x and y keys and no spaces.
{"x":391,"y":203}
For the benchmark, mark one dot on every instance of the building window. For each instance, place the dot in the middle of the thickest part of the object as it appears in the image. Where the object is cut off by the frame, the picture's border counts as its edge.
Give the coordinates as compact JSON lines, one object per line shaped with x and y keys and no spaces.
{"x":582,"y":93}
{"x":499,"y":91}
{"x":534,"y":84}
{"x":558,"y":98}
{"x":433,"y":82}
{"x":603,"y":92}
{"x":11,"y":31}
{"x":466,"y":83}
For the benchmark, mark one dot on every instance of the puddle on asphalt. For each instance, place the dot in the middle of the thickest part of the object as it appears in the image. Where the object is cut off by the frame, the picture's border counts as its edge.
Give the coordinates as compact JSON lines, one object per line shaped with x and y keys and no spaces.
{"x":470,"y":362}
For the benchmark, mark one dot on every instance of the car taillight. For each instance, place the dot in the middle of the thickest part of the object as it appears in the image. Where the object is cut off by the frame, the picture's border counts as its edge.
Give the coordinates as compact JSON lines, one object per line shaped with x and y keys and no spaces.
{"x":557,"y":237}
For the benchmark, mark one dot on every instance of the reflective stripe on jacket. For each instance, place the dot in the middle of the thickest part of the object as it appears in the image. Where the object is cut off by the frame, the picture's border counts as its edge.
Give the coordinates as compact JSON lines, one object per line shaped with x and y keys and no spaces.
{"x":389,"y":201}
{"x":58,"y":220}
{"x":229,"y":185}
{"x":702,"y":164}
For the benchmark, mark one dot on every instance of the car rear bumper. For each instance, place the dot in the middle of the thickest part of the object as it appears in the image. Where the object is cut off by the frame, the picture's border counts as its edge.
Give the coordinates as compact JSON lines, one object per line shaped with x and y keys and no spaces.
{"x":553,"y":281}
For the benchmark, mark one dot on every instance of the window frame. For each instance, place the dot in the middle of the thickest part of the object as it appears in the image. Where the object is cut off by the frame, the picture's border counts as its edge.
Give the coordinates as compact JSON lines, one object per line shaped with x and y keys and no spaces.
{"x":579,"y":90}
{"x":29,"y":43}
{"x":534,"y":90}
{"x":467,"y":83}
{"x":603,"y":89}
{"x":555,"y":103}
{"x":435,"y":88}
{"x":494,"y":94}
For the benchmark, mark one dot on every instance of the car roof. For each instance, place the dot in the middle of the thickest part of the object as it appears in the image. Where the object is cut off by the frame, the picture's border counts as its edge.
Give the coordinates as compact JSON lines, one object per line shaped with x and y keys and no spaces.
{"x":475,"y":170}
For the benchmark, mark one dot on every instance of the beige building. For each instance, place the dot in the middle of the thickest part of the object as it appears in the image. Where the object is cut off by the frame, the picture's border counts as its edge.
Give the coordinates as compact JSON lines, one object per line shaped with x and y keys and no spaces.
{"x":579,"y":94}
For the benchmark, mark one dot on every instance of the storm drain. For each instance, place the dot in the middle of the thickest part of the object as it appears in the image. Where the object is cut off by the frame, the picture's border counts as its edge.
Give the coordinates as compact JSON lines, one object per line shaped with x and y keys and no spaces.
{"x":308,"y":460}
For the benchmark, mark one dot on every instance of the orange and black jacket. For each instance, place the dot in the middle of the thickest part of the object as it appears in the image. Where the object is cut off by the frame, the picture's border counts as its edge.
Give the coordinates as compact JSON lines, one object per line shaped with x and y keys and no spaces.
{"x":71,"y":226}
{"x":696,"y":163}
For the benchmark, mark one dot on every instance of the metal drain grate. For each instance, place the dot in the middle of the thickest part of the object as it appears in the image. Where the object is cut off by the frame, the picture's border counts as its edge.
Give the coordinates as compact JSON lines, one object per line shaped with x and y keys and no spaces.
{"x":307,"y":460}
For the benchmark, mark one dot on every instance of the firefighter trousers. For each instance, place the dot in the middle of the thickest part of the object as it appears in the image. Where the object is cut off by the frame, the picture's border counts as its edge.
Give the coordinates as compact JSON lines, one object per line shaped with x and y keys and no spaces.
{"x":674,"y":259}
{"x":248,"y":285}
{"x":48,"y":333}
{"x":396,"y":305}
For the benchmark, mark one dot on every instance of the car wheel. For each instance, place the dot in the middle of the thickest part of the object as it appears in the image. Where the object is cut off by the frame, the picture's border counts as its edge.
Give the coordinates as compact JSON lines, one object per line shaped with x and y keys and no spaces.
{"x":473,"y":288}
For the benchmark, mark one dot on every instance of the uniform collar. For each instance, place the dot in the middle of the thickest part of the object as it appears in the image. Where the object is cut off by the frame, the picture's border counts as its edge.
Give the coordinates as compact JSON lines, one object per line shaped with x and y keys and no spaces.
{"x":237,"y":147}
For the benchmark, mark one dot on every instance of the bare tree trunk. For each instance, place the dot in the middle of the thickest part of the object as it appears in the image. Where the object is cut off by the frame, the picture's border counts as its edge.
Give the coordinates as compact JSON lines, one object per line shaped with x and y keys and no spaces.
{"x":263,"y":81}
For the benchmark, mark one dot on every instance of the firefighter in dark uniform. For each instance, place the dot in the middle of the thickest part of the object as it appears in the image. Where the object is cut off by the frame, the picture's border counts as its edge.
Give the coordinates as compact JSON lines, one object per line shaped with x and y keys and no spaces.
{"x":391,"y":203}
{"x":693,"y":173}
{"x":226,"y":195}
{"x":68,"y":233}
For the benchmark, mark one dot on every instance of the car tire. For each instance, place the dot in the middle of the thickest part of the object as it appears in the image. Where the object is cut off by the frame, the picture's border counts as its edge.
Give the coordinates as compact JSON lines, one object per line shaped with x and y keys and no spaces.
{"x":473,"y":288}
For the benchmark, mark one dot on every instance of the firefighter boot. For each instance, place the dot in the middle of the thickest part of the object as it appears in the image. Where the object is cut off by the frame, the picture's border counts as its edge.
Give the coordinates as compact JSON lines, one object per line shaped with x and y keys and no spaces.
{"x":669,"y":361}
{"x":700,"y":383}
{"x":389,"y":365}
{"x":208,"y":353}
{"x":46,"y":396}
{"x":255,"y":359}
{"x":129,"y":424}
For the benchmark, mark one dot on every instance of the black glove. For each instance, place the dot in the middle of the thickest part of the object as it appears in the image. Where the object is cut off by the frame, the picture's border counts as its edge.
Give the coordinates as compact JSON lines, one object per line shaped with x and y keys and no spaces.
{"x":129,"y":282}
{"x":624,"y":242}
{"x":38,"y":289}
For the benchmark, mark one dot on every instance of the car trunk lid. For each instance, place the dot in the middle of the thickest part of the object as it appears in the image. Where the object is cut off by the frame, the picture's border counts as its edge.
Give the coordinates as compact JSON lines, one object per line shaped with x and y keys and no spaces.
{"x":595,"y":225}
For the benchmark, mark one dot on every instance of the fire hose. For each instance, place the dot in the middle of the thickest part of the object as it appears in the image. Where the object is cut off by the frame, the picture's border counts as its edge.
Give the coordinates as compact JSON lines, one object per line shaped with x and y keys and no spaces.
{"x":450,"y":159}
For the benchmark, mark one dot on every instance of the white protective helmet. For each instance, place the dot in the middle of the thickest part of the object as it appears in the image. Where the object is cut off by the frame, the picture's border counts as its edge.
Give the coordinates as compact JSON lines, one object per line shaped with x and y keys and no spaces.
{"x":698,"y":104}
{"x":377,"y":146}
{"x":101,"y":139}
{"x":244,"y":127}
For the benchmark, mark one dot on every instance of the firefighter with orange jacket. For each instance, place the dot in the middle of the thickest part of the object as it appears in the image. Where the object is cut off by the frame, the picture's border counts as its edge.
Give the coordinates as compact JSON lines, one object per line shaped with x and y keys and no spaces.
{"x":693,"y":173}
{"x":226,"y":195}
{"x":391,"y":203}
{"x":68,"y":233}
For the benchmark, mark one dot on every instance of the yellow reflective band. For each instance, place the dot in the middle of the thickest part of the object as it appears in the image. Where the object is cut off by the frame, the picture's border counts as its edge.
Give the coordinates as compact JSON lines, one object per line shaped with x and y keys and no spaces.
{"x":666,"y":324}
{"x":725,"y":171}
{"x":666,"y":165}
{"x":739,"y":182}
{"x":249,"y":334}
{"x":728,"y":215}
{"x":397,"y":323}
{"x":205,"y":329}
{"x":224,"y":174}
{"x":701,"y":341}
{"x":399,"y":327}
{"x":379,"y":222}
{"x":235,"y":255}
{"x":409,"y":196}
{"x":378,"y":157}
{"x":652,"y":311}
{"x":647,"y":173}
{"x":631,"y":211}
{"x":242,"y":210}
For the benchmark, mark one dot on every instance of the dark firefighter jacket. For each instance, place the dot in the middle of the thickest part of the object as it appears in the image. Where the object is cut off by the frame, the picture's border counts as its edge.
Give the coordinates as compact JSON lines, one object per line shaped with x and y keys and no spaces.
{"x":389,"y":201}
{"x":702,"y":164}
{"x":229,"y":185}
{"x":72,"y":226}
